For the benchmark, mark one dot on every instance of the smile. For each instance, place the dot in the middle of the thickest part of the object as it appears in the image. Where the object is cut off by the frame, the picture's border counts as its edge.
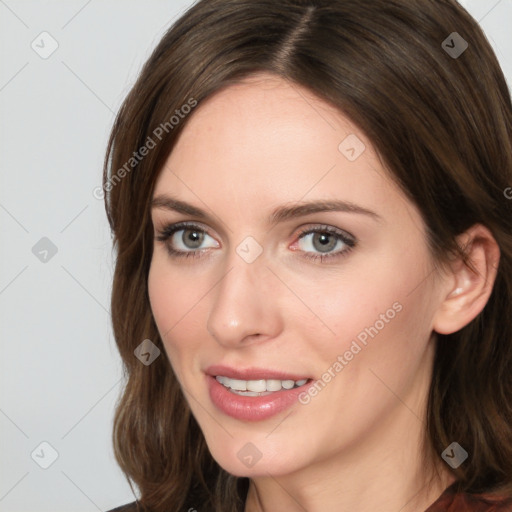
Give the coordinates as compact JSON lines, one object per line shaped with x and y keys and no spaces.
{"x":253,"y":394}
{"x":259,"y":387}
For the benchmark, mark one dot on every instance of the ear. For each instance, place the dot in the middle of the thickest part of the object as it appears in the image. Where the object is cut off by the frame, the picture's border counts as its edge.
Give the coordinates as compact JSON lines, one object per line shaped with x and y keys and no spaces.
{"x":466,"y":291}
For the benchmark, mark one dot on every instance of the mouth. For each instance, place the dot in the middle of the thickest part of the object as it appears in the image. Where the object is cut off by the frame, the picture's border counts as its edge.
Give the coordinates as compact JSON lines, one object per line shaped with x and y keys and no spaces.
{"x":260,"y":387}
{"x":253,"y":394}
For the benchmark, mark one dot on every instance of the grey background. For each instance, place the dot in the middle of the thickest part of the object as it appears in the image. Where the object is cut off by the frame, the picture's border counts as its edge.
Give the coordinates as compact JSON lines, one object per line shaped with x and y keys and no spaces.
{"x":60,"y":374}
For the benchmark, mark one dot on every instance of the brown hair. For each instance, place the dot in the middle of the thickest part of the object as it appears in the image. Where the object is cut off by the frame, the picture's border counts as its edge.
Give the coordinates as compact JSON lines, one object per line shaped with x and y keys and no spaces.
{"x":443,"y":127}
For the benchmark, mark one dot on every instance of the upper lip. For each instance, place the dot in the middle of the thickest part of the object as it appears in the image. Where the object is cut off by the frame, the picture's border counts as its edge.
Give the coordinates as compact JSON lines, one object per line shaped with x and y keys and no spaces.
{"x":252,"y":373}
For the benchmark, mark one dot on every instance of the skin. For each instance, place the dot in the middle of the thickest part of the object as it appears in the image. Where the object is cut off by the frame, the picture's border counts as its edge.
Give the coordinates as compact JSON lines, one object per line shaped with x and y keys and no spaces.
{"x":357,"y":445}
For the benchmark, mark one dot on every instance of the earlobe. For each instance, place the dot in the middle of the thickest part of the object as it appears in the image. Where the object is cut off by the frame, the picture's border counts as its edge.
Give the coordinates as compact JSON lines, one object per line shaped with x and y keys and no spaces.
{"x":467,"y":290}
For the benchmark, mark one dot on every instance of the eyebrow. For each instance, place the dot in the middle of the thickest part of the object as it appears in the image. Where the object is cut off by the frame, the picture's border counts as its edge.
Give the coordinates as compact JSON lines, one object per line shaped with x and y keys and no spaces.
{"x":280,"y":214}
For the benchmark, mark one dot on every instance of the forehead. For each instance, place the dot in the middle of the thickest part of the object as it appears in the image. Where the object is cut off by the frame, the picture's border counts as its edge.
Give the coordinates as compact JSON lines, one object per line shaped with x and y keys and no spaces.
{"x":267,"y":141}
{"x":266,"y":112}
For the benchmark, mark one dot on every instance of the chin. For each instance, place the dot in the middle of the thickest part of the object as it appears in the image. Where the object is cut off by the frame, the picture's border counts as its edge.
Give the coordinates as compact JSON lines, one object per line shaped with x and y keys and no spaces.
{"x":254,"y":458}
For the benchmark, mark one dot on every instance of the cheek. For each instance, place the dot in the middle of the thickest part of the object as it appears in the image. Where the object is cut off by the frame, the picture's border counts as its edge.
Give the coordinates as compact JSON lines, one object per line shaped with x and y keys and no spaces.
{"x":382,"y":324}
{"x":170,"y":301}
{"x":178,"y":300}
{"x":162,"y":297}
{"x":382,"y":304}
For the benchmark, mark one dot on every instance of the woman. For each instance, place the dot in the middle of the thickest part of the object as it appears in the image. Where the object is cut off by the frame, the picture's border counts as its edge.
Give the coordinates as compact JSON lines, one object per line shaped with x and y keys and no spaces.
{"x":313,"y":284}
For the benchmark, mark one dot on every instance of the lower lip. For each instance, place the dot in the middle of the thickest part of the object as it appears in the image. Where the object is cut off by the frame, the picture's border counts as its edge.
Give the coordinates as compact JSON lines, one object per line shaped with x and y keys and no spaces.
{"x":252,"y":408}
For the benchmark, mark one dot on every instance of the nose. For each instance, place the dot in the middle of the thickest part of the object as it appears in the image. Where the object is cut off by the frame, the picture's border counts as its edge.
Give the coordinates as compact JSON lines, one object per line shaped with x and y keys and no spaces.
{"x":245,"y":307}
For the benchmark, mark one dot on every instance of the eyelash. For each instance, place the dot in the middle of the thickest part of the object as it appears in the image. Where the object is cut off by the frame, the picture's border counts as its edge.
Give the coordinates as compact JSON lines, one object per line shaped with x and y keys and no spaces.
{"x":168,"y":231}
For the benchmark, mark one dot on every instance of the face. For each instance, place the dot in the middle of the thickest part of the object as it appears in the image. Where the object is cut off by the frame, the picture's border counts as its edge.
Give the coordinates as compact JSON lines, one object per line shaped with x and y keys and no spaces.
{"x":290,"y":282}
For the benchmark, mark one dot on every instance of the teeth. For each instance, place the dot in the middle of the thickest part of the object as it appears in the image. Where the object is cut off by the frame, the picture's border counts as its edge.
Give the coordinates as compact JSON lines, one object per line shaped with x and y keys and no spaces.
{"x":258,"y":386}
{"x":239,"y":385}
{"x":273,"y":385}
{"x":254,"y":387}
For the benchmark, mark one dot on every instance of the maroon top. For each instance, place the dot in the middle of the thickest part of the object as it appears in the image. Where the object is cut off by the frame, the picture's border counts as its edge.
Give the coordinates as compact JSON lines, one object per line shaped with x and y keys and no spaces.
{"x":451,"y":501}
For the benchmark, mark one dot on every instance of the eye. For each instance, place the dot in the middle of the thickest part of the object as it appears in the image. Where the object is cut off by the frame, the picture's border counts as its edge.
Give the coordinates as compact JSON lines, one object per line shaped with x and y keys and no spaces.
{"x":185,"y":240}
{"x":324,"y":242}
{"x":320,"y":243}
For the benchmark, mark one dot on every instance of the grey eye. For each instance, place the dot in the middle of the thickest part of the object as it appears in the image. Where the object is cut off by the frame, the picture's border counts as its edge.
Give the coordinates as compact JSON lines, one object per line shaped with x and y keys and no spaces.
{"x":322,"y":242}
{"x":192,"y":238}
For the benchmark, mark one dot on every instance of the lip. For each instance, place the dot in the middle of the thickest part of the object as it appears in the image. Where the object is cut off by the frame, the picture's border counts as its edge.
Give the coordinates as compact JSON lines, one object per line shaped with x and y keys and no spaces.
{"x":252,"y":408}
